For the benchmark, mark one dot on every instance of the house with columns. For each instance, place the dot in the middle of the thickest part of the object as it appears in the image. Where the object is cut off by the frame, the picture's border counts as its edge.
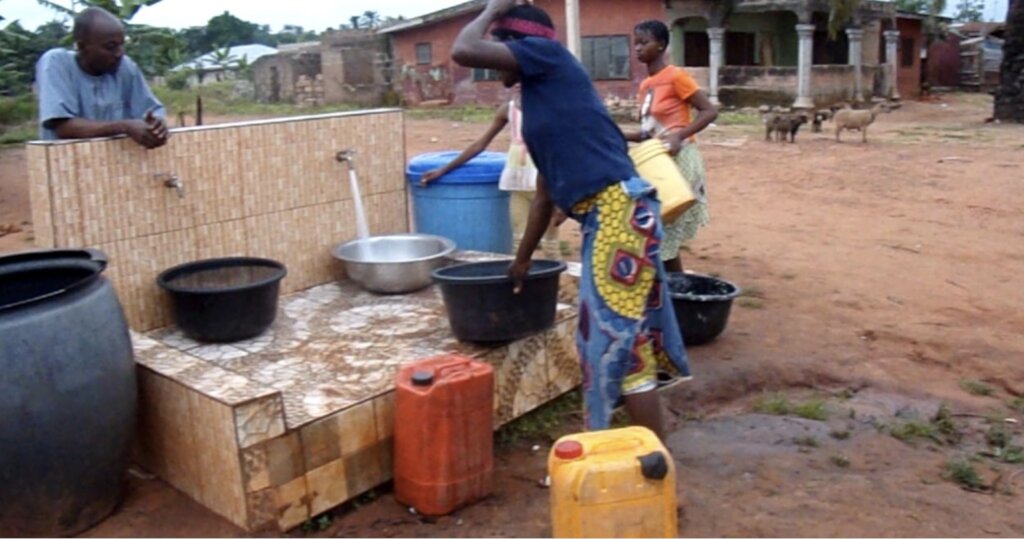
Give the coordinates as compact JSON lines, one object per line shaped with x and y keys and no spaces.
{"x":781,"y":52}
{"x":758,"y":52}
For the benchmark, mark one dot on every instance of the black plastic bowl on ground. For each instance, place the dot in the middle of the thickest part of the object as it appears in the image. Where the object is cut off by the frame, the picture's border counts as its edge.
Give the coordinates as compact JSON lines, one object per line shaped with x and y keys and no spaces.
{"x":702,"y":304}
{"x":483,"y":308}
{"x":224,"y":299}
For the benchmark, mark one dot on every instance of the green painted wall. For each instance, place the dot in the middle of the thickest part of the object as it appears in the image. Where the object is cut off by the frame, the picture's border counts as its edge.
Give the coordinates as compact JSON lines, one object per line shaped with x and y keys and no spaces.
{"x":779,"y":27}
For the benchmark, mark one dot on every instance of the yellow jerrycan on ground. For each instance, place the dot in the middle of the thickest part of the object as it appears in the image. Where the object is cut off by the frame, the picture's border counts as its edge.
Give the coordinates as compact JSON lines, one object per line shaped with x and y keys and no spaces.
{"x":654,"y":164}
{"x":612,"y":483}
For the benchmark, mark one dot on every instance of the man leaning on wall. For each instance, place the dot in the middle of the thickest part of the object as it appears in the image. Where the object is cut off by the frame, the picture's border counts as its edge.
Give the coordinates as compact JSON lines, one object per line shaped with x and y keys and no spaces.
{"x":95,"y":90}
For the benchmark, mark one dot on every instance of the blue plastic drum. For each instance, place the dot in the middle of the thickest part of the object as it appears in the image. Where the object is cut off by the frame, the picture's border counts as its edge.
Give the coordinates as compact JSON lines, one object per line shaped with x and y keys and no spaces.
{"x":464,"y":205}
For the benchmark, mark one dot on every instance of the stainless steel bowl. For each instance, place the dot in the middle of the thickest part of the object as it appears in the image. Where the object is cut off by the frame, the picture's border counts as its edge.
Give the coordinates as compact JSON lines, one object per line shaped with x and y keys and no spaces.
{"x":394,"y":264}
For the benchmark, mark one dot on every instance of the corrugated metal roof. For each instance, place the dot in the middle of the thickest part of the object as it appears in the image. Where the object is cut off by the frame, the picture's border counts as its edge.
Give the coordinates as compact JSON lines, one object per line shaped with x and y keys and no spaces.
{"x":250,"y":53}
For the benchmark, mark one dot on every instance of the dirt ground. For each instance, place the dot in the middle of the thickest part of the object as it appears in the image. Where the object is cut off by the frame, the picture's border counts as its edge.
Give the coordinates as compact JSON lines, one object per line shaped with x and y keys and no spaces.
{"x":881,"y":282}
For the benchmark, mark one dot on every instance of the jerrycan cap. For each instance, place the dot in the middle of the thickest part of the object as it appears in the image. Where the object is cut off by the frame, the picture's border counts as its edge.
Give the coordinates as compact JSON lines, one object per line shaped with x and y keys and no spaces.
{"x":422,"y":378}
{"x":568,"y":450}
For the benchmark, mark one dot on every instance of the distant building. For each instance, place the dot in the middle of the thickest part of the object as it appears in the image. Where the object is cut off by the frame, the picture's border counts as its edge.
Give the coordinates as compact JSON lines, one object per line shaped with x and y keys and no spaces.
{"x":345,"y":66}
{"x":290,"y":76}
{"x":220,"y":65}
{"x":769,"y":51}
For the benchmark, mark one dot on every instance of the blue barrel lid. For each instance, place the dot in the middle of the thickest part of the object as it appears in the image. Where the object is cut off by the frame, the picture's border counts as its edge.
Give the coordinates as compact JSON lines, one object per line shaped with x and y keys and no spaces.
{"x":484,"y":168}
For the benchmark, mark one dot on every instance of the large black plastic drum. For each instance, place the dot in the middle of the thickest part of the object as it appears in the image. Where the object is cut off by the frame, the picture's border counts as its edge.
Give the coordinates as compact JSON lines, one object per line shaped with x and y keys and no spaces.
{"x":67,"y":393}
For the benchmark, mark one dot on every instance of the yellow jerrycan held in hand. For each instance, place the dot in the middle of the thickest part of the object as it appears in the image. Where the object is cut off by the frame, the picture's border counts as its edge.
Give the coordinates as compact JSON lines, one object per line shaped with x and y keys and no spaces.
{"x":654,"y":164}
{"x":612,"y":483}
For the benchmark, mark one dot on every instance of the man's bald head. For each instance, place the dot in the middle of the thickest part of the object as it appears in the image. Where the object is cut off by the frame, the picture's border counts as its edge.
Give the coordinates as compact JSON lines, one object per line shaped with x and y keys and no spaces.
{"x":99,"y":37}
{"x":95,"y":19}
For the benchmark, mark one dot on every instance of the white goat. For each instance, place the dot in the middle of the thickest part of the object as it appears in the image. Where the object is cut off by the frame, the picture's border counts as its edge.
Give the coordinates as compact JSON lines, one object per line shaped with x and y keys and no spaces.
{"x":856,"y":120}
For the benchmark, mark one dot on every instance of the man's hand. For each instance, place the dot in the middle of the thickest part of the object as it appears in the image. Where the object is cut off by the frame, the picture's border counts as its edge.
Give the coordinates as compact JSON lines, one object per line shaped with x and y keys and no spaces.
{"x":142,"y":133}
{"x":518,"y":271}
{"x":430,"y":176}
{"x":157,"y":127}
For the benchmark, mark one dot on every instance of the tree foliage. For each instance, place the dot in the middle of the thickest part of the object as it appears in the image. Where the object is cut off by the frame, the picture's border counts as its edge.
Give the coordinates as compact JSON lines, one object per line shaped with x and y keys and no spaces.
{"x":156,"y":50}
{"x":840,"y":14}
{"x":969,"y":10}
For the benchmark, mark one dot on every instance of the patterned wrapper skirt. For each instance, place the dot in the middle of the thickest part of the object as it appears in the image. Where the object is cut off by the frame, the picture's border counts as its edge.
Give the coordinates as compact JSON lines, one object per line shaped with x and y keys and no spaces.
{"x":627,"y":325}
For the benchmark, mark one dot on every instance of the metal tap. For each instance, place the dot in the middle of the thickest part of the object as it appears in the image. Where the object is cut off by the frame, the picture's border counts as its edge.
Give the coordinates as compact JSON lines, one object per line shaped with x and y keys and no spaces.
{"x":346,"y":156}
{"x":171,"y":181}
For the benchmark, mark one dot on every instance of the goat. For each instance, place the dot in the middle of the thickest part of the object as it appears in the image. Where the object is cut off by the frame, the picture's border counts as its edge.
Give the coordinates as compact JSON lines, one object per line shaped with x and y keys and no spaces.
{"x":783,"y":124}
{"x":820,"y":117}
{"x":856,"y":120}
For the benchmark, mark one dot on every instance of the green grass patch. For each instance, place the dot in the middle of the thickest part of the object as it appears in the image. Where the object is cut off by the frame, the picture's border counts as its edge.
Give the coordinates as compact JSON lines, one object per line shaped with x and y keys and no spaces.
{"x":839,"y":461}
{"x":948,"y":430}
{"x":19,"y":134}
{"x":940,"y":429}
{"x":1016,"y":404}
{"x":813,"y":409}
{"x":17,"y":110}
{"x":752,"y":292}
{"x":976,"y":387}
{"x":840,"y":434}
{"x":738,"y":118}
{"x":469,"y":113}
{"x":544,"y":423}
{"x":963,"y":473}
{"x":806,"y":441}
{"x":750,"y":303}
{"x":317,"y":524}
{"x":779,"y":405}
{"x":1000,"y":441}
{"x":565,"y":248}
{"x":912,"y":430}
{"x":219,"y":99}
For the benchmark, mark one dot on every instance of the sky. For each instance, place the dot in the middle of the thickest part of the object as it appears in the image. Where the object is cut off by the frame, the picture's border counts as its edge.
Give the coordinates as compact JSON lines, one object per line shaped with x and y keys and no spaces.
{"x":315,"y":15}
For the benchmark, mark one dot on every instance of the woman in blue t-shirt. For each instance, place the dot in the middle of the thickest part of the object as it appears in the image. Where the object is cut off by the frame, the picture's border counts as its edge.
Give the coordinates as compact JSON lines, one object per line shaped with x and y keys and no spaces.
{"x":627,"y":326}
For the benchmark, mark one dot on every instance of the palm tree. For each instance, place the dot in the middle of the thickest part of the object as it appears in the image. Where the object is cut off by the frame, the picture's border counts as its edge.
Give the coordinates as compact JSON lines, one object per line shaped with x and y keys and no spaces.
{"x":1009,"y":102}
{"x":355,"y":22}
{"x":123,"y":9}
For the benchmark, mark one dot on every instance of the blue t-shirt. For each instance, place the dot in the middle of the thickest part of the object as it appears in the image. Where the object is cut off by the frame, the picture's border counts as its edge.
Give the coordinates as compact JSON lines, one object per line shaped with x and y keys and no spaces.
{"x":573,"y":141}
{"x":65,"y":91}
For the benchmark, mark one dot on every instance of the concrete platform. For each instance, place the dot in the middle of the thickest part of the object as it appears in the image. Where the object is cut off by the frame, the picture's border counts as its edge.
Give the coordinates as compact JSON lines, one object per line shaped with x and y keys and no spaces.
{"x":272,"y":431}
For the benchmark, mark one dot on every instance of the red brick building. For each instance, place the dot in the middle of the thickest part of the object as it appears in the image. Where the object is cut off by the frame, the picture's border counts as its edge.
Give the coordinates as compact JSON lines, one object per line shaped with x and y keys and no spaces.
{"x":759,"y":44}
{"x":425,"y":72}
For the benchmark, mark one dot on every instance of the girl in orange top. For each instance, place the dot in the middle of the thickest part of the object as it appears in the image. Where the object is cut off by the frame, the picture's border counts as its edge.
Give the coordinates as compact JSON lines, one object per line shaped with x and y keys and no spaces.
{"x":666,"y":97}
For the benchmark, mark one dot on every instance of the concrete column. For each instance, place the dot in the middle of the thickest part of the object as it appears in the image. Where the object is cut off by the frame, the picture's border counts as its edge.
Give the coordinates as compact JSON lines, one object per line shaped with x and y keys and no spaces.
{"x":716,"y":37}
{"x":572,"y":26}
{"x":892,"y":39}
{"x":806,"y":57}
{"x":856,"y":38}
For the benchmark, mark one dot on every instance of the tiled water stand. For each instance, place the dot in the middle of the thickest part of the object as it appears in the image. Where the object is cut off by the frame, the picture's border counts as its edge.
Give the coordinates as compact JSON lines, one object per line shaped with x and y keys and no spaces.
{"x":274,"y":430}
{"x":277,"y":429}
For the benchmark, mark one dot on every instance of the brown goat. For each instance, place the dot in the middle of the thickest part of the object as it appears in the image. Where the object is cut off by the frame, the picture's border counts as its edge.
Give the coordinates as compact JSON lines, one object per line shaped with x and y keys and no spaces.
{"x":782,"y":125}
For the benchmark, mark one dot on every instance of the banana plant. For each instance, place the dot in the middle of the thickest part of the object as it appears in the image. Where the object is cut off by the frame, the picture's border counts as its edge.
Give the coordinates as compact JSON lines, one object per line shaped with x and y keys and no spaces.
{"x":123,"y":9}
{"x":841,"y":12}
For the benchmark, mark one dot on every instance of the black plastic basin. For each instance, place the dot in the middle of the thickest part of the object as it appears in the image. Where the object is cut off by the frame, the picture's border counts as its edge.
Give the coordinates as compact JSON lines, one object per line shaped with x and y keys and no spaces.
{"x":224,"y":299}
{"x":702,"y":305}
{"x":483,"y":308}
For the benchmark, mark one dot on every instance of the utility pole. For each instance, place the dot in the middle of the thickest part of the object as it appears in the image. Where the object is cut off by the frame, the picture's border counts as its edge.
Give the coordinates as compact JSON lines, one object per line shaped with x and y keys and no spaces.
{"x":572,"y":26}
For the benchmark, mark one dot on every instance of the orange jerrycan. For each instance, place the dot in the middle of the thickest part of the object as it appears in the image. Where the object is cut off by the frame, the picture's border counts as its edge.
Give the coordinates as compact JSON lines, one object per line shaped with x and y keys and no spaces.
{"x":654,"y":164}
{"x":612,"y":483}
{"x":444,"y":433}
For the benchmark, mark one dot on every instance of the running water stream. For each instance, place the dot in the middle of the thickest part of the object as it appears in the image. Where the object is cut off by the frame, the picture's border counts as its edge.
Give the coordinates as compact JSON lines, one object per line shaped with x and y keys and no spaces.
{"x":362,"y":228}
